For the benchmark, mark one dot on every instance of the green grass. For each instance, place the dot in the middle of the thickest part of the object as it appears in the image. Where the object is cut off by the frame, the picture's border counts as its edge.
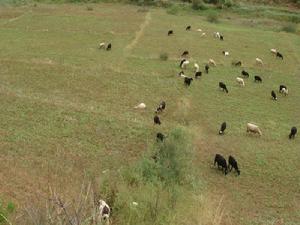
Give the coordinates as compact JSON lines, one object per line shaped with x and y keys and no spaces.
{"x":67,"y":107}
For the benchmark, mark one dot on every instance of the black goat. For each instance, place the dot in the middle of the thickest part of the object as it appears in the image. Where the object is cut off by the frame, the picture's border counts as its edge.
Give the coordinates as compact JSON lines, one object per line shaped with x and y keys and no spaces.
{"x":293,"y":132}
{"x":170,"y":32}
{"x":257,"y":79}
{"x":156,"y":120}
{"x":188,"y":81}
{"x":223,"y":128}
{"x":206,"y":68}
{"x":232,"y":163}
{"x":160,"y":137}
{"x":198,"y":74}
{"x":108,"y":48}
{"x":245,"y":73}
{"x":279,"y":55}
{"x":221,"y":162}
{"x":273,"y":94}
{"x":188,"y":28}
{"x":223,"y":86}
{"x":185,"y":53}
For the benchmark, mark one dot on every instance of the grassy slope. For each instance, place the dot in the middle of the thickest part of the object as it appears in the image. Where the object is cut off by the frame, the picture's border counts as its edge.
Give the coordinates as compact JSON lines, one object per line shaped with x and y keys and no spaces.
{"x":66,"y":107}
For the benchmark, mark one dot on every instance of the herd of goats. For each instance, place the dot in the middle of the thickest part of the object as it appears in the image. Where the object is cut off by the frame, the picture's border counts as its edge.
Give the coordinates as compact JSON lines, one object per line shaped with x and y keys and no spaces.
{"x":219,"y":159}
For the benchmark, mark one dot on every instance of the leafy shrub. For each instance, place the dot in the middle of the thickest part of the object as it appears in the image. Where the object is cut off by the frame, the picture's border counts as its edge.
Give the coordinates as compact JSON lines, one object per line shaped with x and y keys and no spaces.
{"x":173,"y":10}
{"x":290,"y":28}
{"x":198,"y":5}
{"x":294,"y":19}
{"x":5,"y":210}
{"x":228,"y":3}
{"x":164,"y":56}
{"x":163,"y":3}
{"x":213,"y":17}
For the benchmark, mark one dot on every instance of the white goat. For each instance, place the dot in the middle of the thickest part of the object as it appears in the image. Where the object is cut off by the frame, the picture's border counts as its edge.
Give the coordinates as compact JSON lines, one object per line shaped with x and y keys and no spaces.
{"x":196,"y":67}
{"x":140,"y":106}
{"x":240,"y":81}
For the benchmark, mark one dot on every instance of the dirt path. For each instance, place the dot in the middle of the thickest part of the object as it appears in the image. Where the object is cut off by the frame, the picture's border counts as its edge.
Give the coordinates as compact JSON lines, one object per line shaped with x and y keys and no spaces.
{"x":16,"y":18}
{"x":140,"y":32}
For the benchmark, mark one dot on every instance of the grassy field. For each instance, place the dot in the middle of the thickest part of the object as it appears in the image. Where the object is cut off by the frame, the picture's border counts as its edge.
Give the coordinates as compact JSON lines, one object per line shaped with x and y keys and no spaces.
{"x":67,"y":107}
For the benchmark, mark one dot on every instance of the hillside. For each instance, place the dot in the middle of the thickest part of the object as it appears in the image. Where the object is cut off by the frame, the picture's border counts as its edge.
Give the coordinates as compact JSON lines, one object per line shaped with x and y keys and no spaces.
{"x":67,"y":113}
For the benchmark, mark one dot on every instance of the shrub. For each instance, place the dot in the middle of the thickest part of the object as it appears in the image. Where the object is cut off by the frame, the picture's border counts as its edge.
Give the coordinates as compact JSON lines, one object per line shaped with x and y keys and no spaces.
{"x":164,"y":56}
{"x":198,"y":5}
{"x":228,"y":3}
{"x":5,"y":210}
{"x":213,"y":17}
{"x":290,"y":28}
{"x":294,"y":19}
{"x":174,"y":9}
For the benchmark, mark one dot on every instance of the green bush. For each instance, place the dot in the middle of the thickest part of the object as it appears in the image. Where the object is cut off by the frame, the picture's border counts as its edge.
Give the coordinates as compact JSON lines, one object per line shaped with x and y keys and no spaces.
{"x":228,"y":3}
{"x":213,"y":17}
{"x":5,"y":210}
{"x":294,"y":19}
{"x":290,"y":28}
{"x":198,"y":5}
{"x":173,"y":10}
{"x":164,"y":56}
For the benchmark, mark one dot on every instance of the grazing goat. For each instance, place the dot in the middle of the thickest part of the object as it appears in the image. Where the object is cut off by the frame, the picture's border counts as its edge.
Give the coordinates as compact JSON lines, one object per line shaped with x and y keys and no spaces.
{"x":103,"y":211}
{"x":206,"y":68}
{"x":170,"y":32}
{"x":293,"y":132}
{"x":223,"y":87}
{"x":283,"y":90}
{"x":102,"y":45}
{"x":203,"y":34}
{"x":212,"y":62}
{"x":108,"y":48}
{"x":245,"y":73}
{"x":156,"y":120}
{"x":217,"y":35}
{"x":196,"y":67}
{"x":259,"y":61}
{"x":274,"y":51}
{"x":253,"y":129}
{"x":185,"y":53}
{"x":225,"y":53}
{"x":188,"y":28}
{"x":223,"y":127}
{"x":183,"y":63}
{"x":181,"y":74}
{"x":279,"y":55}
{"x":232,"y":163}
{"x":160,"y":137}
{"x":200,"y":30}
{"x":238,"y":63}
{"x":188,"y":81}
{"x":161,"y":107}
{"x":221,"y":162}
{"x":240,"y":81}
{"x":140,"y":106}
{"x":257,"y":79}
{"x":221,"y":38}
{"x":273,"y":94}
{"x":198,"y":74}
